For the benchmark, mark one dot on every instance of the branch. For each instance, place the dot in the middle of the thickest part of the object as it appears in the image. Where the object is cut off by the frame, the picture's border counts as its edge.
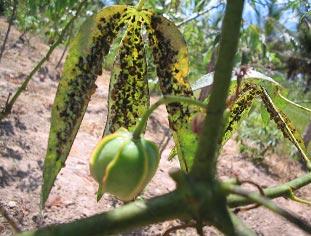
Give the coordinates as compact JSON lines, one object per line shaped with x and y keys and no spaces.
{"x":10,"y":219}
{"x":15,"y":3}
{"x":8,"y":108}
{"x":283,"y":190}
{"x":164,"y":100}
{"x":241,"y":228}
{"x":271,"y":206}
{"x":191,"y":18}
{"x":124,"y":218}
{"x":204,"y":166}
{"x":65,"y":49}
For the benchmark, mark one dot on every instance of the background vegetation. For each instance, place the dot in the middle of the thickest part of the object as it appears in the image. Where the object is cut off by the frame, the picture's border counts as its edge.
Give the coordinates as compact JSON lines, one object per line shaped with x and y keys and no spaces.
{"x":275,"y":40}
{"x":270,"y":43}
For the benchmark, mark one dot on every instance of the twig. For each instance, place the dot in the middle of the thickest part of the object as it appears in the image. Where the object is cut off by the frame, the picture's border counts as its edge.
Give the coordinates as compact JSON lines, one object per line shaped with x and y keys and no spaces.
{"x":241,"y":229}
{"x":124,"y":218}
{"x":10,"y":219}
{"x":282,"y":190}
{"x":7,"y":99}
{"x":15,"y":3}
{"x":198,"y":15}
{"x":291,"y":217}
{"x":177,"y":227}
{"x":8,"y":108}
{"x":247,"y":208}
{"x":65,"y":49}
{"x":20,"y":38}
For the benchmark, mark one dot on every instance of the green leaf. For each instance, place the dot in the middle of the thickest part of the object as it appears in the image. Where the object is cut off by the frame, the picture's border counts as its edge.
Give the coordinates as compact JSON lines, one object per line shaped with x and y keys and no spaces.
{"x":242,"y":105}
{"x":240,"y":109}
{"x":264,"y":115}
{"x":128,"y":90}
{"x":171,"y":59}
{"x":82,"y":66}
{"x":251,"y":75}
{"x":285,"y":125}
{"x":172,"y":154}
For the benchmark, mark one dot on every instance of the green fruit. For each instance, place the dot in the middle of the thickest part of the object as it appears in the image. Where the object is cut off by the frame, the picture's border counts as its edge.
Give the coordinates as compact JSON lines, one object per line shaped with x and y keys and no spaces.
{"x":123,"y":166}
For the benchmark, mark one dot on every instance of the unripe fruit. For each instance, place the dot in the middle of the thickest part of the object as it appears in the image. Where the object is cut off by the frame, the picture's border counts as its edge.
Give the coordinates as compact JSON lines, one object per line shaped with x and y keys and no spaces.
{"x":123,"y":166}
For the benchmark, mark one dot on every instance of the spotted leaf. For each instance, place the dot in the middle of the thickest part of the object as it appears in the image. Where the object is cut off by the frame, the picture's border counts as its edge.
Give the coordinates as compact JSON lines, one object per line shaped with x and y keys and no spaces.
{"x":171,"y":59}
{"x":285,"y":125}
{"x":82,"y":66}
{"x":128,"y":90}
{"x":240,"y":109}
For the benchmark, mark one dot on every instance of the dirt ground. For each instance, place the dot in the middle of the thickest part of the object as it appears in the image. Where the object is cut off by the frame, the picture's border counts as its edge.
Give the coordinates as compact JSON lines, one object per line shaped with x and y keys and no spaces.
{"x":23,"y":141}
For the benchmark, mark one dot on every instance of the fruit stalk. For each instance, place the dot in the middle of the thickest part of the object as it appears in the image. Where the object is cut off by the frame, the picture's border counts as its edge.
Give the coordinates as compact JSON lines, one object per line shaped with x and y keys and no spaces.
{"x":164,"y":100}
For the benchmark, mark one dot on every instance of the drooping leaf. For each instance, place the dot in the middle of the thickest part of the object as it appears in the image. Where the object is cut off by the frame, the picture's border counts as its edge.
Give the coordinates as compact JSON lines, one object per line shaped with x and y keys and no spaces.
{"x":128,"y":89}
{"x":285,"y":125}
{"x":240,"y":109}
{"x":242,"y":105}
{"x":82,"y":66}
{"x":171,"y":59}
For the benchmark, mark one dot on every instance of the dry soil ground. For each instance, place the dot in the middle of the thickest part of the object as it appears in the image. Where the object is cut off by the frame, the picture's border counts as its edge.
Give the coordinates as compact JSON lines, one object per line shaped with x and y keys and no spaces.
{"x":23,"y":141}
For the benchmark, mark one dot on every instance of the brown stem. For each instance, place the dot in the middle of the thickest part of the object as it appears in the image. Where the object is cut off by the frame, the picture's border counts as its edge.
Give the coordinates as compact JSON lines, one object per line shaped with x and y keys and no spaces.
{"x":10,"y":219}
{"x":8,"y":108}
{"x":175,"y":228}
{"x":15,"y":3}
{"x":65,"y":49}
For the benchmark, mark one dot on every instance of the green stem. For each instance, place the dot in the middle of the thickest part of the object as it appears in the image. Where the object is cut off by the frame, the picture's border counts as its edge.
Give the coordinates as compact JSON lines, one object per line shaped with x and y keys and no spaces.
{"x":13,"y":15}
{"x":8,"y":108}
{"x":141,"y":213}
{"x":124,"y":218}
{"x":283,"y":190}
{"x":271,"y":206}
{"x":204,"y":166}
{"x":293,"y":197}
{"x":241,"y":229}
{"x":140,"y":5}
{"x":164,"y":100}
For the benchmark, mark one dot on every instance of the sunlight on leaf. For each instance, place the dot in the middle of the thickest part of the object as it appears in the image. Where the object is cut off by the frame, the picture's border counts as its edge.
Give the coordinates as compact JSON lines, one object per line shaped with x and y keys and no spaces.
{"x":82,"y":66}
{"x":171,"y":59}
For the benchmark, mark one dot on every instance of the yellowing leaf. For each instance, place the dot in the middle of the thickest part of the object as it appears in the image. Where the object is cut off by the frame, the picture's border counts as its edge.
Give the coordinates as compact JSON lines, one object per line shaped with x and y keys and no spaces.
{"x":128,"y":93}
{"x":171,"y":59}
{"x":285,"y":125}
{"x":239,"y":110}
{"x":82,"y":66}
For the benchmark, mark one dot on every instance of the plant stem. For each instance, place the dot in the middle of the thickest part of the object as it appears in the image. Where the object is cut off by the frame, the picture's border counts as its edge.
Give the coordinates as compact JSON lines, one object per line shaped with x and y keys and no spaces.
{"x":198,"y":14}
{"x":8,"y":108}
{"x":10,"y":219}
{"x":140,"y":5}
{"x":164,"y":100}
{"x":283,"y":190}
{"x":271,"y":206}
{"x":124,"y":218}
{"x":65,"y":49}
{"x":140,"y":213}
{"x":241,"y":228}
{"x":204,"y":166}
{"x":15,"y":3}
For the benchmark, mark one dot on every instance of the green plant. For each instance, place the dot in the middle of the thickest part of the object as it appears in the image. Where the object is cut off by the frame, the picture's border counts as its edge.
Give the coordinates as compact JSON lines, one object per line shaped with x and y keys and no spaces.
{"x":199,"y":195}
